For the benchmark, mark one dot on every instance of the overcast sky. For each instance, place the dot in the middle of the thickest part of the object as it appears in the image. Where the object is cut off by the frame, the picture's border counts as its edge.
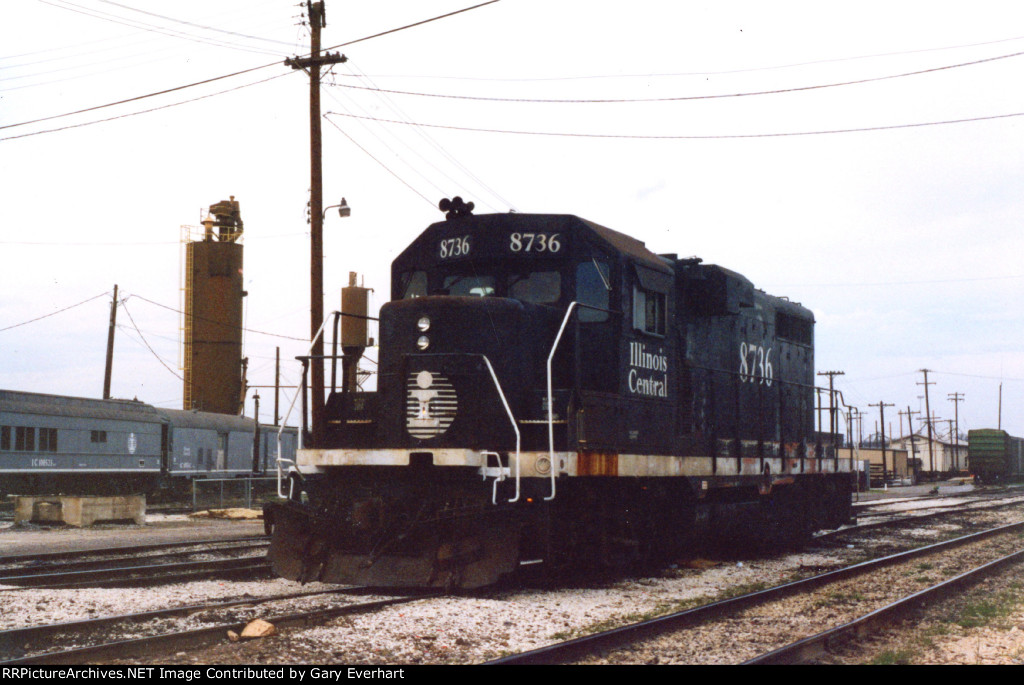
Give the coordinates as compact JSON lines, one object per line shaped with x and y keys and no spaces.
{"x":865,"y":160}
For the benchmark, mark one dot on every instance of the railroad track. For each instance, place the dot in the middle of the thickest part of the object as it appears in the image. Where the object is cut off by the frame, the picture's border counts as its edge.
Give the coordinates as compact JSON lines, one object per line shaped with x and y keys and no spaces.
{"x":304,"y":619}
{"x":862,"y":593}
{"x":136,"y":566}
{"x":118,"y":637}
{"x":898,"y":518}
{"x":951,"y":501}
{"x":122,"y":550}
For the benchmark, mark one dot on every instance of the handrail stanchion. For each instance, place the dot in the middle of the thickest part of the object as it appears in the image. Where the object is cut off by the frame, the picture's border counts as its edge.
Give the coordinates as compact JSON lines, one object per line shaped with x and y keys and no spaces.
{"x":288,"y":414}
{"x":551,"y":402}
{"x":508,"y":410}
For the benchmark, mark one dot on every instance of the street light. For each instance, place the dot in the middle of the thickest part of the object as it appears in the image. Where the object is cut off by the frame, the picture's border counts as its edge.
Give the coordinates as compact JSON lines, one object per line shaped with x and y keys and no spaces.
{"x":343,"y":209}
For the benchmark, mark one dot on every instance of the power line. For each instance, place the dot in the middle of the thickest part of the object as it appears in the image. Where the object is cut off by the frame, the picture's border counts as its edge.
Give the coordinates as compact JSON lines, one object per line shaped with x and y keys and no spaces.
{"x":637,"y":136}
{"x":136,"y":99}
{"x":221,"y":323}
{"x":437,"y":146}
{"x":722,"y":72}
{"x":969,"y":375}
{"x":683,"y":98}
{"x":144,"y":111}
{"x":168,"y":338}
{"x":73,"y":55}
{"x":124,"y":306}
{"x":888,"y":283}
{"x":105,"y":16}
{"x":382,"y":164}
{"x":152,"y":243}
{"x":404,"y":158}
{"x":386,"y":144}
{"x":413,"y":25}
{"x":189,"y":23}
{"x":237,"y":73}
{"x":82,"y":70}
{"x":59,"y":311}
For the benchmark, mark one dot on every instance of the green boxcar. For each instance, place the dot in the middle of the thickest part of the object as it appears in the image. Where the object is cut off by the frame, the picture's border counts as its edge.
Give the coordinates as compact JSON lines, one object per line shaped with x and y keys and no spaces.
{"x":994,"y":455}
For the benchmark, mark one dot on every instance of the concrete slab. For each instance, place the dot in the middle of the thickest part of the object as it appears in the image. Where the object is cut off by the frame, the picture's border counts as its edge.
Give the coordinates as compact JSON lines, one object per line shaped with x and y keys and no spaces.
{"x":79,"y":511}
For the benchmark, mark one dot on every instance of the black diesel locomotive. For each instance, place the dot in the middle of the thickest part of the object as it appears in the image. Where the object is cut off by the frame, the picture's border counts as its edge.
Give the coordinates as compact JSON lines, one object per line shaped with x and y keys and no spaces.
{"x":551,"y":391}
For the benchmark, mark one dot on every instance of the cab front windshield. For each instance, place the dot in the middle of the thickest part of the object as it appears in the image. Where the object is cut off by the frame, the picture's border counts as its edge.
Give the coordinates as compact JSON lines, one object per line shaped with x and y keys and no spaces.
{"x":538,"y":286}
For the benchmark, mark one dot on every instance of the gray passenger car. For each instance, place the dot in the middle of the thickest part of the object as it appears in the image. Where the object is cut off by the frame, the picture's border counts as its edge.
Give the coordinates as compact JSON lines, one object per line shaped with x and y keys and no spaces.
{"x":52,"y":444}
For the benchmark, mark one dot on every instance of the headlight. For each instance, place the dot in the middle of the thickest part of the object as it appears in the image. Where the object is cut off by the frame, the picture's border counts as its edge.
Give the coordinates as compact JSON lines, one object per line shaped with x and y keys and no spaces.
{"x":423,"y":324}
{"x":423,"y":343}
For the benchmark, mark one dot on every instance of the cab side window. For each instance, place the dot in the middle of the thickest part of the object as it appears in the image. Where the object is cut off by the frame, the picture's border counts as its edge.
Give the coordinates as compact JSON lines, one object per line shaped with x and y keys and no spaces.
{"x":650,"y":300}
{"x":649,"y":311}
{"x":593,"y":285}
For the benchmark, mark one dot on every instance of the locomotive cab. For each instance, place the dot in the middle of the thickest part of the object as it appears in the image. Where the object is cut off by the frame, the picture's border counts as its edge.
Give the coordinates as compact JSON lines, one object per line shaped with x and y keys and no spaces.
{"x":479,"y":305}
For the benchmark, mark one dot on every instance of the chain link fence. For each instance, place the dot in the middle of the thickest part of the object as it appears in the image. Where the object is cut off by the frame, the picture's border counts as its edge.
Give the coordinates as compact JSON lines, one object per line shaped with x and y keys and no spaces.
{"x":225,"y":493}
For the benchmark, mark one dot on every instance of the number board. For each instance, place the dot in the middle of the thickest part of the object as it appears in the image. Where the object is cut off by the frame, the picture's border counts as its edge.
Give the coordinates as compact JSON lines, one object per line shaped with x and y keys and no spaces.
{"x":498,"y":244}
{"x":535,"y":243}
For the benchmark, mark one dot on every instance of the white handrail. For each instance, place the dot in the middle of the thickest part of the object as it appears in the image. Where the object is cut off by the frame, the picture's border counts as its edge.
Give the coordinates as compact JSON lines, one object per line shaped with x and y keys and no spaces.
{"x":508,"y":410}
{"x":284,"y":421}
{"x":551,"y":403}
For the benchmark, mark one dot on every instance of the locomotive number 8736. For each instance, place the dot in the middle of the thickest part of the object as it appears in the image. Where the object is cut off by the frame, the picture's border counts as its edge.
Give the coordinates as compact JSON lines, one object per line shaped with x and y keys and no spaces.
{"x":551,"y":391}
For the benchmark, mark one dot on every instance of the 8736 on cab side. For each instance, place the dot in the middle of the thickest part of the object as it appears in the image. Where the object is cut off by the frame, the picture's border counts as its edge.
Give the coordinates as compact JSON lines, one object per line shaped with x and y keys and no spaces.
{"x":551,"y":391}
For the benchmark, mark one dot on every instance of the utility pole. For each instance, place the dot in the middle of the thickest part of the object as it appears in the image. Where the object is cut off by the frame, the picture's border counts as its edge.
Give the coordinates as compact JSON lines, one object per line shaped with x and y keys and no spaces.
{"x":311,"y":65}
{"x":256,"y":435}
{"x":928,"y":413}
{"x":110,"y":346}
{"x":952,"y":442}
{"x":849,"y":427}
{"x":277,"y":386}
{"x":881,"y":410}
{"x":831,"y":400}
{"x":851,"y":418}
{"x":956,"y":398}
{"x":818,"y":391}
{"x":1000,"y":424}
{"x":913,"y":447}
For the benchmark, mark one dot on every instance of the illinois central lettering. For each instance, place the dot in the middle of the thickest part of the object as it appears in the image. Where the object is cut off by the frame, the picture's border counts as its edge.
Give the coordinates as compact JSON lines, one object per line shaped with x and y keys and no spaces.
{"x":648,"y":374}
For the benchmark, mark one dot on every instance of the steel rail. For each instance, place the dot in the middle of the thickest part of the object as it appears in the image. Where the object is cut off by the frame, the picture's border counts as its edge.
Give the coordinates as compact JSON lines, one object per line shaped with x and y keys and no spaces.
{"x":577,"y":648}
{"x":916,"y":518}
{"x":145,"y":647}
{"x":965,"y":503}
{"x":816,"y":646}
{"x":119,"y":577}
{"x":13,"y":639}
{"x":86,"y":565}
{"x":45,"y":556}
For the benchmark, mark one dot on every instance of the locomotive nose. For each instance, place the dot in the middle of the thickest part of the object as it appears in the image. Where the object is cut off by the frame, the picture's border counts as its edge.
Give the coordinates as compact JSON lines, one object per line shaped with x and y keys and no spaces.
{"x":442,"y":324}
{"x":451,"y":363}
